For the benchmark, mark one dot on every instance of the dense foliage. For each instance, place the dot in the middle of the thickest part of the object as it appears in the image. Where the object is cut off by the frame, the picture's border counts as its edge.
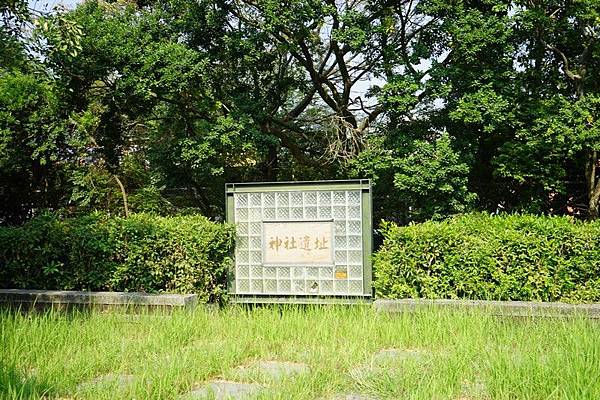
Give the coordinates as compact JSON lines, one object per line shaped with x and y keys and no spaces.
{"x":448,"y":105}
{"x":97,"y":252}
{"x":517,"y":257}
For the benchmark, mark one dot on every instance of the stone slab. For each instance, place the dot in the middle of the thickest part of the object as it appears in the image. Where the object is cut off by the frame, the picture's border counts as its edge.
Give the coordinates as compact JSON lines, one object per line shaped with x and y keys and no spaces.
{"x":504,"y":308}
{"x":25,"y":297}
{"x":275,"y":370}
{"x":225,"y":390}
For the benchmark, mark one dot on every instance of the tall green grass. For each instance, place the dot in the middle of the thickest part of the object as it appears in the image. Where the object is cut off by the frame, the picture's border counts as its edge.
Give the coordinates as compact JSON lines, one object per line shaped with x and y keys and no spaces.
{"x":465,"y":355}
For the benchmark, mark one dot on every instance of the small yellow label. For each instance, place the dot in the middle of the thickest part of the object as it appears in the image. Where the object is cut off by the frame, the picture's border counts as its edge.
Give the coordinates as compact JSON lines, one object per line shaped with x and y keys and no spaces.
{"x":341,"y":274}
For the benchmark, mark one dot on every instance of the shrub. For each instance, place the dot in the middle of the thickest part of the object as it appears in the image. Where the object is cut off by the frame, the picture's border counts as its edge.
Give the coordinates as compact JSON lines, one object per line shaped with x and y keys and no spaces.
{"x":476,"y":256}
{"x":96,"y":252}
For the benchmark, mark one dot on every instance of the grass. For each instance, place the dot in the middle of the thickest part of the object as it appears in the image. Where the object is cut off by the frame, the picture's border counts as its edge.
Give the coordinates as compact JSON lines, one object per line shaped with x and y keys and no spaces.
{"x":462,"y":355}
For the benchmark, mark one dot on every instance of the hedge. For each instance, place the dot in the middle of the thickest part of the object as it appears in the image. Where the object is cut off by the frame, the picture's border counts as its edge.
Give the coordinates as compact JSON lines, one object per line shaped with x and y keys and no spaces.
{"x":477,"y":256}
{"x":187,"y":254}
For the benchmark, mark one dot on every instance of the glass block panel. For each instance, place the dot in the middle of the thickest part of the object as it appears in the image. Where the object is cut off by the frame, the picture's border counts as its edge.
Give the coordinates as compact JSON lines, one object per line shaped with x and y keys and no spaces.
{"x":340,"y":257}
{"x":355,"y":287}
{"x":312,"y":286}
{"x":268,"y":199}
{"x":283,"y":213}
{"x":256,"y":271}
{"x":269,"y":213}
{"x":340,"y":242}
{"x":354,"y":212}
{"x":296,"y":199}
{"x":282,"y":199}
{"x":241,"y":200}
{"x":256,"y":257}
{"x":340,"y":286}
{"x":310,"y":198}
{"x":355,"y":272}
{"x":312,"y":272}
{"x":326,"y":272}
{"x":326,"y":287}
{"x":256,"y":243}
{"x":339,"y":228}
{"x":243,"y":271}
{"x":242,"y":257}
{"x":270,"y":286}
{"x":298,"y":272}
{"x":283,"y":272}
{"x":242,"y":242}
{"x":355,"y":242}
{"x":354,"y":257}
{"x":243,"y":285}
{"x":242,"y":228}
{"x":311,"y":212}
{"x":325,"y":212}
{"x":324,"y":198}
{"x":353,"y":198}
{"x":255,"y":199}
{"x":354,"y":227}
{"x":255,"y":229}
{"x":297,"y":213}
{"x":241,"y":214}
{"x":270,"y":272}
{"x":298,"y":286}
{"x":256,"y":285}
{"x":339,"y":212}
{"x":285,"y":286}
{"x":339,"y":198}
{"x":254,"y":214}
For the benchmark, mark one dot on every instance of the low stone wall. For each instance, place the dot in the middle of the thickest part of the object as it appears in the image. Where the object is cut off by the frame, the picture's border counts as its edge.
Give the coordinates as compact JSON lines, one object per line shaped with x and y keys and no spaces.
{"x":77,"y":299}
{"x":504,"y":308}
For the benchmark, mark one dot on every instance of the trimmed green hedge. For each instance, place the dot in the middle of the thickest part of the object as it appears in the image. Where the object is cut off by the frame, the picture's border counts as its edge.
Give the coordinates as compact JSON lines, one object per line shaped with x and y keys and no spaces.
{"x":187,"y":254}
{"x":477,"y":256}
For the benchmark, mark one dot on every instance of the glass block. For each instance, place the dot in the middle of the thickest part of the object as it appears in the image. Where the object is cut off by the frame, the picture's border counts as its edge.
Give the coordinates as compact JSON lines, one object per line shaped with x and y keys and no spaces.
{"x":354,"y":212}
{"x":340,"y":257}
{"x":269,"y":213}
{"x":324,"y":198}
{"x":310,"y":198}
{"x":256,"y":271}
{"x":354,"y":242}
{"x":296,"y":199}
{"x":312,"y":273}
{"x":298,"y":272}
{"x":339,"y":227}
{"x":339,"y":198}
{"x":339,"y":212}
{"x":354,"y":257}
{"x":242,"y":271}
{"x":326,"y":272}
{"x":243,"y":285}
{"x":340,"y":286}
{"x":283,"y":272}
{"x":254,"y":214}
{"x":241,"y":214}
{"x":312,"y":286}
{"x":270,"y":286}
{"x":325,"y":212}
{"x":284,"y":286}
{"x":255,"y":228}
{"x":298,"y":286}
{"x":353,"y":198}
{"x":270,"y":272}
{"x":354,"y":227}
{"x":340,"y":242}
{"x":283,"y":213}
{"x":256,"y":257}
{"x":255,"y":199}
{"x":297,"y":213}
{"x":326,"y":287}
{"x":256,"y":285}
{"x":311,"y":212}
{"x":241,"y":257}
{"x":268,"y":199}
{"x":282,"y":199}
{"x":256,"y":243}
{"x":241,"y":228}
{"x":241,"y":200}
{"x":355,"y":287}
{"x":355,"y":272}
{"x":241,"y":242}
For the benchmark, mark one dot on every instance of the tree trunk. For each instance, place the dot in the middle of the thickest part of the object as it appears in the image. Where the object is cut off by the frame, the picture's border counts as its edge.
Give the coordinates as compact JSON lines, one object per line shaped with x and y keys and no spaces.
{"x":593,"y":184}
{"x":124,"y":194}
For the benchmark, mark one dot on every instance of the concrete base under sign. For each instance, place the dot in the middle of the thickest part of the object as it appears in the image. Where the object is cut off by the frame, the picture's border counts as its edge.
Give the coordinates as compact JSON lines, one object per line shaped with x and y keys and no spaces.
{"x":299,"y":300}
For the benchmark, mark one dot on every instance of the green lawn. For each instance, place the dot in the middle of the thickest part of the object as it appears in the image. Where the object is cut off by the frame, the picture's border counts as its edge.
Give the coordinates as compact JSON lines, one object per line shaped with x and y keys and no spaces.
{"x":457,"y":355}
